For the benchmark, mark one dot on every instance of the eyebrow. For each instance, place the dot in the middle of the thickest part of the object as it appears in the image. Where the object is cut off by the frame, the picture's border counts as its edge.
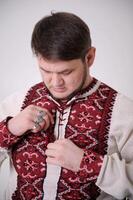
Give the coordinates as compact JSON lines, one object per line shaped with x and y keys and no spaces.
{"x":65,"y":70}
{"x":43,"y":69}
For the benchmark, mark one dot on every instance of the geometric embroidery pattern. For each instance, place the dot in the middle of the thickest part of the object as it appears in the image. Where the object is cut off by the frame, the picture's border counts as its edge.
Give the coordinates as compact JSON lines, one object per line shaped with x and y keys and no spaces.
{"x":88,"y":127}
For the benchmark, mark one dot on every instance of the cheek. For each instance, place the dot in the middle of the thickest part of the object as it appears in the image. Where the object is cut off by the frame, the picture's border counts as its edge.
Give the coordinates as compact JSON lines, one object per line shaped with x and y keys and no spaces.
{"x":75,"y":80}
{"x":45,"y":78}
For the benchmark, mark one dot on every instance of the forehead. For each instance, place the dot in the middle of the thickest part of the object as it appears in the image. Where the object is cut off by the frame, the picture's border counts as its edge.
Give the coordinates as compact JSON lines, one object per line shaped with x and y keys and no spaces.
{"x":58,"y":66}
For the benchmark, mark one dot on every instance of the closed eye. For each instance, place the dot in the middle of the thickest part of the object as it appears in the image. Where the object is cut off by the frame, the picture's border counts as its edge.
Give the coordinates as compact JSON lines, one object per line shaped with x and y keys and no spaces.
{"x":66,"y":72}
{"x":48,"y":72}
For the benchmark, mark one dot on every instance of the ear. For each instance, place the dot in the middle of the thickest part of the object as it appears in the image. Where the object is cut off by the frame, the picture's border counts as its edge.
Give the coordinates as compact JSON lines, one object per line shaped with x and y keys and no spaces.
{"x":90,"y":56}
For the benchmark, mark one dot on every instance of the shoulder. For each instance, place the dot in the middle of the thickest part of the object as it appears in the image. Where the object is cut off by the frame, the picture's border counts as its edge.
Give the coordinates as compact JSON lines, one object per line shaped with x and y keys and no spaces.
{"x":123,"y":105}
{"x":37,"y":86}
{"x":34,"y":94}
{"x":11,"y":105}
{"x":122,"y":118}
{"x":14,"y":102}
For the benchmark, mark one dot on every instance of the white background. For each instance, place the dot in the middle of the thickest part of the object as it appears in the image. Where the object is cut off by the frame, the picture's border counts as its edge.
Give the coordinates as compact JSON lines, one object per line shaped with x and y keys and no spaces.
{"x":111,"y":24}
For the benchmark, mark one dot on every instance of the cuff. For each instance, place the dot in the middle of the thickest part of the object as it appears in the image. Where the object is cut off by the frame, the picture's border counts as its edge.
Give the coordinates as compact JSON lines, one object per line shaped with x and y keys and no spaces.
{"x":90,"y":166}
{"x":6,"y":137}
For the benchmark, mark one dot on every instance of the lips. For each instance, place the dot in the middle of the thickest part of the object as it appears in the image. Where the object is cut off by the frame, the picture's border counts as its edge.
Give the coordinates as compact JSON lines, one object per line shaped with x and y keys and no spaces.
{"x":58,"y":89}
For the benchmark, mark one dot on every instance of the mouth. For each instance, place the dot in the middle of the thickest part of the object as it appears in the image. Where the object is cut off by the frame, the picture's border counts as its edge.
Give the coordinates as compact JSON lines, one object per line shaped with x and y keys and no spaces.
{"x":60,"y":89}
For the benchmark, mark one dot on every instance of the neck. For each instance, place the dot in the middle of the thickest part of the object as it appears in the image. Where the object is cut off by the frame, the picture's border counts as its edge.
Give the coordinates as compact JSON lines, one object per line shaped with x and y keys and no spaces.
{"x":88,"y":82}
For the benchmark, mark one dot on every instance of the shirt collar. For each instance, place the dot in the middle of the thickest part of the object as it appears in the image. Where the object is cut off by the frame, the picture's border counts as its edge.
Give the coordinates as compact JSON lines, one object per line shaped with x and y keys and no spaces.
{"x":82,"y":94}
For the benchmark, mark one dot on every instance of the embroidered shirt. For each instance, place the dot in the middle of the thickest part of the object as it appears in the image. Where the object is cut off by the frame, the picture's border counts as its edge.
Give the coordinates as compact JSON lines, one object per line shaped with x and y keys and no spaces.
{"x":88,"y":120}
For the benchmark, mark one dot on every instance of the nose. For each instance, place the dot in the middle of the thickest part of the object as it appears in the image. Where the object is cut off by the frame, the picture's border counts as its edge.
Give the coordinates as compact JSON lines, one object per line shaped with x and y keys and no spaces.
{"x":57,"y":80}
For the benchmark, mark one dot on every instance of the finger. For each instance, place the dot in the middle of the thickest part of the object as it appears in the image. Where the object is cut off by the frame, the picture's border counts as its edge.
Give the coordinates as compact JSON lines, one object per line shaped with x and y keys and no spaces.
{"x":47,"y":122}
{"x":36,"y":111}
{"x":50,"y":117}
{"x":62,"y":141}
{"x":40,"y":126}
{"x":48,"y":113}
{"x":41,"y":121}
{"x":36,"y":127}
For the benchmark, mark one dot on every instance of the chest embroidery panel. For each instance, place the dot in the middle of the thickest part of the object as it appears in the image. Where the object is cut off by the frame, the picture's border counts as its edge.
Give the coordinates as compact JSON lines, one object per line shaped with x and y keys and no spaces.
{"x":85,"y":122}
{"x":88,"y":127}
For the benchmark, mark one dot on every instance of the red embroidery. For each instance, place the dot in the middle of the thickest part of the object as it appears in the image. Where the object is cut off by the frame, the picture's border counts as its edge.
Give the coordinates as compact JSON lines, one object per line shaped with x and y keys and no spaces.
{"x":7,"y":139}
{"x":87,"y":127}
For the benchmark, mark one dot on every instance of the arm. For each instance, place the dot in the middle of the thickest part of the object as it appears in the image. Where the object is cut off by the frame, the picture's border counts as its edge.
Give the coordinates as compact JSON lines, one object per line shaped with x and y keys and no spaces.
{"x":12,"y":130}
{"x":113,"y":172}
{"x":10,"y":106}
{"x":65,"y":153}
{"x":116,"y":175}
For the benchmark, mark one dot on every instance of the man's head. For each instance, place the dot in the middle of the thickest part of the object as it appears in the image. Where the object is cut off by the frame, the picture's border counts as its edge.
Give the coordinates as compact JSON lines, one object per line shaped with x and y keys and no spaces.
{"x":62,"y":45}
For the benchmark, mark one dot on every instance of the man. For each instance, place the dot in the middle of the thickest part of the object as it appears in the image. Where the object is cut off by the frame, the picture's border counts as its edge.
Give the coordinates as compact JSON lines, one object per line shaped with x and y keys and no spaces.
{"x":73,"y":136}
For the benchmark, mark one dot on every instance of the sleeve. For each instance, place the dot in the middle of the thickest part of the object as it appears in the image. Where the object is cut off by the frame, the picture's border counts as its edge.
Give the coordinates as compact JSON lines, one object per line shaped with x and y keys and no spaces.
{"x":10,"y":106}
{"x":116,"y":174}
{"x":90,"y":166}
{"x":7,"y":139}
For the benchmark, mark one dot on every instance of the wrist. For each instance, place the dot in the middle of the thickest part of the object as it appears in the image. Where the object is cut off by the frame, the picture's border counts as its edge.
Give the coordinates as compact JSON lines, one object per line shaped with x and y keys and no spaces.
{"x":10,"y":126}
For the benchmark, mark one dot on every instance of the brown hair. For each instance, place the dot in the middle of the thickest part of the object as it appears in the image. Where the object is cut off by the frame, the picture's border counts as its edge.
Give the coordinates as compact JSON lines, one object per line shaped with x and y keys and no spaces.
{"x":61,"y":36}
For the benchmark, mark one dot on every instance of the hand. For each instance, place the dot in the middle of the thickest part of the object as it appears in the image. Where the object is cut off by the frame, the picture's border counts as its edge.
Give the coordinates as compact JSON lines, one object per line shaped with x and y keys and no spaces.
{"x":65,"y":153}
{"x":29,"y":119}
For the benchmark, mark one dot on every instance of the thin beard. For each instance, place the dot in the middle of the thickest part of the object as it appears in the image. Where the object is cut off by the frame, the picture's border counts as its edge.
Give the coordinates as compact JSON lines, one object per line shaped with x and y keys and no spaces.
{"x":79,"y":88}
{"x":70,"y":96}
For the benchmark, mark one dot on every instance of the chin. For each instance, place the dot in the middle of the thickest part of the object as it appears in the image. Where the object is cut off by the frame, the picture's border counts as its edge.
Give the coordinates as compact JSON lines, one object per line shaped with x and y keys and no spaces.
{"x":60,"y":96}
{"x":64,"y":95}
